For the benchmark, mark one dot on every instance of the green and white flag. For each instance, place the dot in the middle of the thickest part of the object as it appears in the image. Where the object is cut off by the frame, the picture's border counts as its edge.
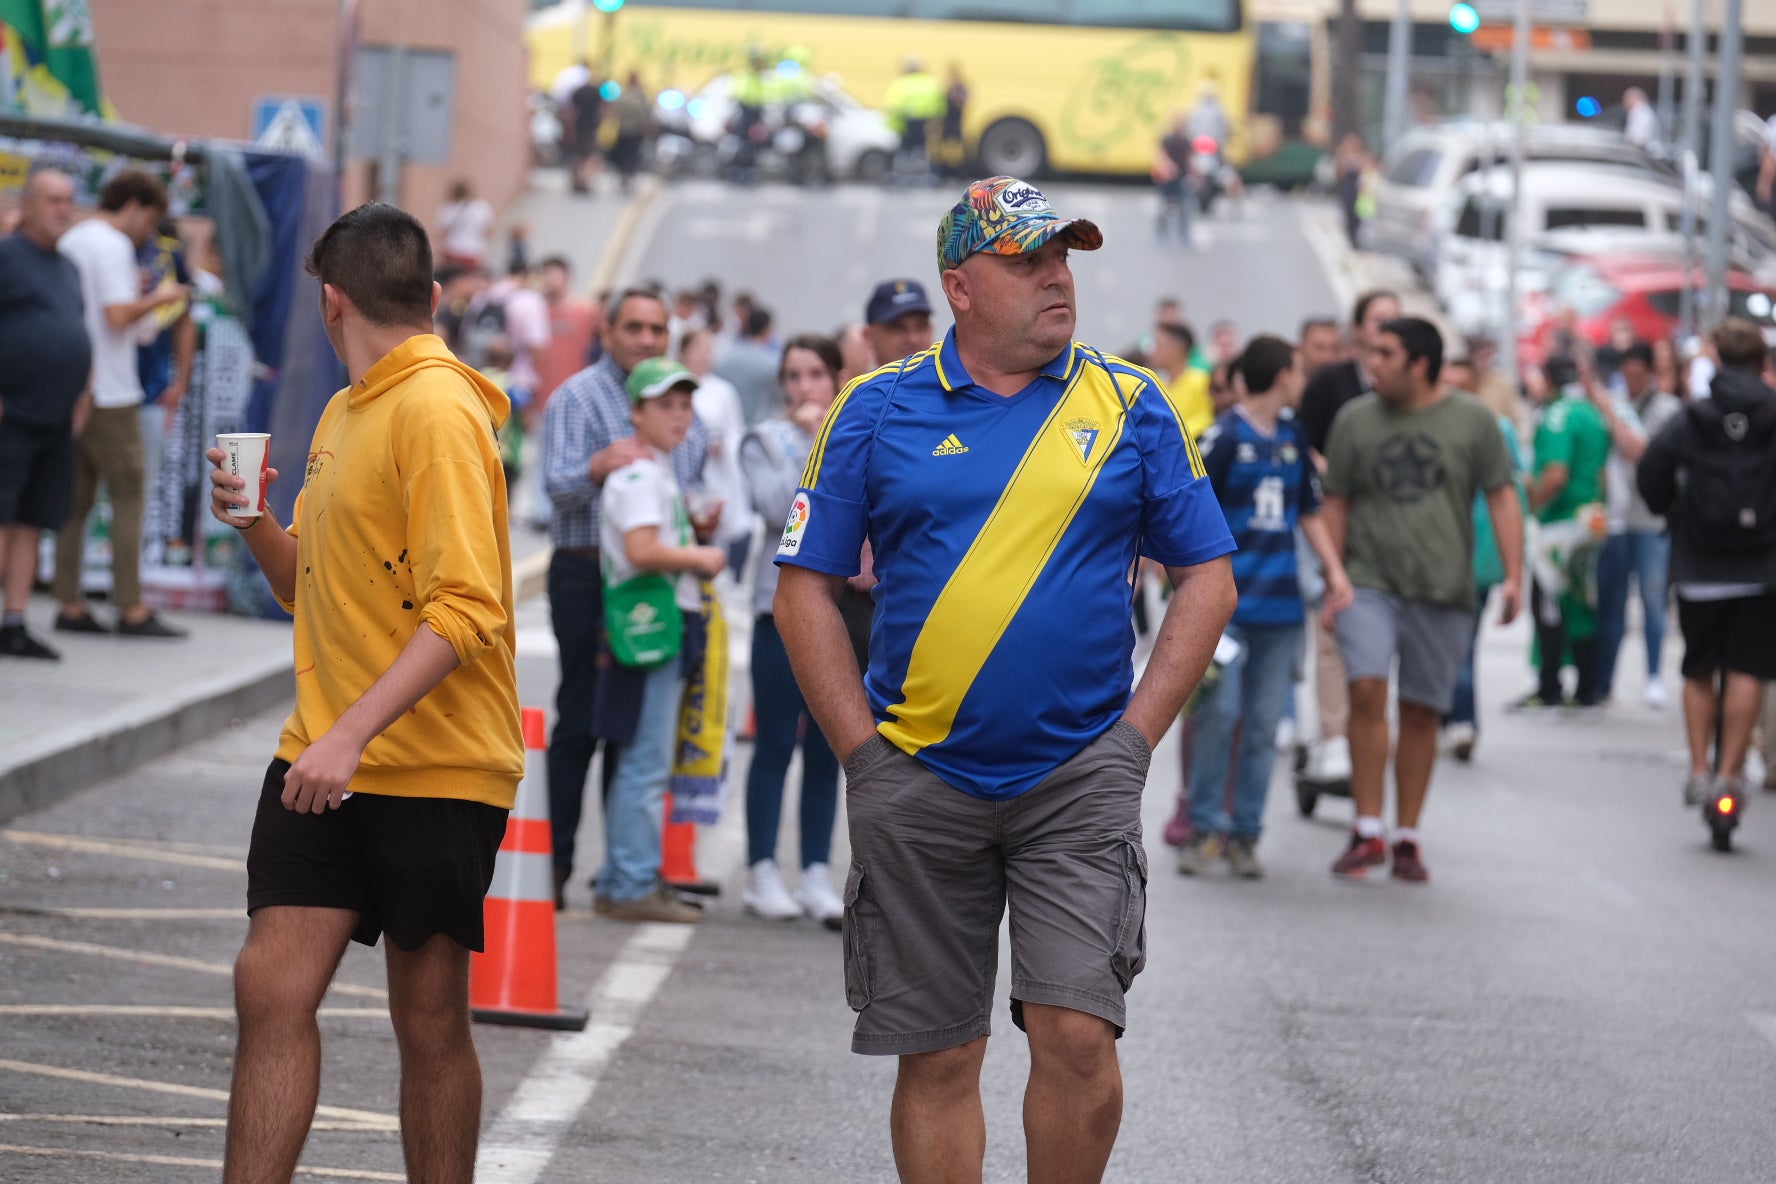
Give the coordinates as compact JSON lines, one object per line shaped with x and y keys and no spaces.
{"x":46,"y":59}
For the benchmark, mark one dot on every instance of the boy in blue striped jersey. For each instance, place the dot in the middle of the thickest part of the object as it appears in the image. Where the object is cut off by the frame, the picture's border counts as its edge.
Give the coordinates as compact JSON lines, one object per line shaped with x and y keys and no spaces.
{"x":1257,"y":461}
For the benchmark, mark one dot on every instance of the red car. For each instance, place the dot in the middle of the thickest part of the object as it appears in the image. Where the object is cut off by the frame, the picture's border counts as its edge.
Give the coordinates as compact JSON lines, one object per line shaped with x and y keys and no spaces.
{"x":1588,"y":296}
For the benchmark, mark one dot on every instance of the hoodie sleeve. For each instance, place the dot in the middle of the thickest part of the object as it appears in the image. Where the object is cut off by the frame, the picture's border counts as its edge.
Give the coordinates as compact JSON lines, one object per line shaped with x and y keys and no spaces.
{"x":1656,"y":475}
{"x":458,"y":559}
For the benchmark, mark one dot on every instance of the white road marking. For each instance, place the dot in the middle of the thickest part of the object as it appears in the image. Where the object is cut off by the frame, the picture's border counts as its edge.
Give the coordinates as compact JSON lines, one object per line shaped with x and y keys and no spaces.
{"x":167,"y":1011}
{"x":124,"y":847}
{"x":176,"y":1120}
{"x":365,"y":1117}
{"x":90,"y":949}
{"x":536,"y":641}
{"x":518,"y":1146}
{"x":183,"y":1161}
{"x":144,"y":914}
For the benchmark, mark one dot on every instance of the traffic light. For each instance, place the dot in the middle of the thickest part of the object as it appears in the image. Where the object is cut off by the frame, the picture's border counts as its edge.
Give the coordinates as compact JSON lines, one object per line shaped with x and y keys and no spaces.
{"x":1463,"y":18}
{"x":607,"y":5}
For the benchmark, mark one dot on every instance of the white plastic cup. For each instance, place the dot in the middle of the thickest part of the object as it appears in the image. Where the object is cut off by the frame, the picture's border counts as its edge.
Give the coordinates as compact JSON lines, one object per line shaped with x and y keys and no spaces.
{"x":247,"y":455}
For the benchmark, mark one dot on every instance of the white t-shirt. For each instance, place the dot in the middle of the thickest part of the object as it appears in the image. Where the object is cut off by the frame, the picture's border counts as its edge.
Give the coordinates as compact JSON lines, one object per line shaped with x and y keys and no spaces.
{"x":644,"y":494}
{"x":109,"y":276}
{"x":466,"y":225}
{"x":1642,"y":125}
{"x":717,"y":404}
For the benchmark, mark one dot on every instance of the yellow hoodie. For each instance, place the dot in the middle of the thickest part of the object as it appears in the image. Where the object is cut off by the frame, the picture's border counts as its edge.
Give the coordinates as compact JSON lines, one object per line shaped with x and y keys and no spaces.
{"x":402,"y":521}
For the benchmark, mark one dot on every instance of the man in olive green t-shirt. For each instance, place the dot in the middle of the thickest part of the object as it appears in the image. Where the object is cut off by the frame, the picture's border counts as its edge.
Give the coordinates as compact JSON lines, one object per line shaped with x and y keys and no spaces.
{"x":1572,"y":447}
{"x":1403,"y":466}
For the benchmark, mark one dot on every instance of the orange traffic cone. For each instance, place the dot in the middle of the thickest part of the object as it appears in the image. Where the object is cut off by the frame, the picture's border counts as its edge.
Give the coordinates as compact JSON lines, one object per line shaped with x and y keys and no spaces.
{"x":678,"y":857}
{"x":514,"y":981}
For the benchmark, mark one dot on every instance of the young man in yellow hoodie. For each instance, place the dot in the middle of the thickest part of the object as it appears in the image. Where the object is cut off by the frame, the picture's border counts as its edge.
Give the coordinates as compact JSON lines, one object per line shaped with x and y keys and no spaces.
{"x":387,"y":800}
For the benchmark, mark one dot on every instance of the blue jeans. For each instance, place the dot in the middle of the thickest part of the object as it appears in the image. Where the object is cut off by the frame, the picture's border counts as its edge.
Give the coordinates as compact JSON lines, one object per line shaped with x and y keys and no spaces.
{"x":1252,"y":691}
{"x":636,"y":808}
{"x":1646,"y":556}
{"x":782,"y":715}
{"x":1464,"y":710}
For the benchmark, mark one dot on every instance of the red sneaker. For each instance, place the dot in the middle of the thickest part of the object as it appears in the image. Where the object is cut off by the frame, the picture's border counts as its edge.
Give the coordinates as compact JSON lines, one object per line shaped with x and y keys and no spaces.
{"x":1177,"y":830}
{"x":1408,"y":864}
{"x":1360,"y":856}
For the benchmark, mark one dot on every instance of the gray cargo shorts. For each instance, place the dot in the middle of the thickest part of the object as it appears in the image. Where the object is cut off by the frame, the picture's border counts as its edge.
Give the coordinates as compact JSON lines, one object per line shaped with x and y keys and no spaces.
{"x":1431,"y":641}
{"x":933,"y":868}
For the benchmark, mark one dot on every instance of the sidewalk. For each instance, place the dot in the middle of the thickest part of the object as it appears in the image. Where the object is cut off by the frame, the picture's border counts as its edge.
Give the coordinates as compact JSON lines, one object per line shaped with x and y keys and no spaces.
{"x":112,"y":703}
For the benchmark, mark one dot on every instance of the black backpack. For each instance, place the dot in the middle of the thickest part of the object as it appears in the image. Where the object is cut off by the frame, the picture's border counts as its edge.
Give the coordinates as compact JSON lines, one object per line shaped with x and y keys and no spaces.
{"x":1729,"y":493}
{"x":479,"y":329}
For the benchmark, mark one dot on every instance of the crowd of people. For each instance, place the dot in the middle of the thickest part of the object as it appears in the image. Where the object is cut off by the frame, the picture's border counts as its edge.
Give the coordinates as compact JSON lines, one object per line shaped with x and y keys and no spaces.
{"x":96,"y":326}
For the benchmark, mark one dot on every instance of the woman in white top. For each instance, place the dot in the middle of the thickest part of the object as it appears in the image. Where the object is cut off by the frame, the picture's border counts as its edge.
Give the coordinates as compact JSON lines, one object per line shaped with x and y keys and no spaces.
{"x":465,"y":222}
{"x":718,"y":406}
{"x":771,"y":458}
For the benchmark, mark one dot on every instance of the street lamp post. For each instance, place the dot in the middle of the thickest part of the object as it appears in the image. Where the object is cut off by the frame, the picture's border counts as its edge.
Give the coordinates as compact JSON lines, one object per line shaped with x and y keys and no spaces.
{"x":1720,"y":154}
{"x":1692,"y":139}
{"x":1515,"y":106}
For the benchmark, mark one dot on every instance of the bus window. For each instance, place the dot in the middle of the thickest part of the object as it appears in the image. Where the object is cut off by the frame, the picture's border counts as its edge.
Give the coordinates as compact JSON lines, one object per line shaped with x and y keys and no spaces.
{"x":1212,"y":16}
{"x":1042,"y":12}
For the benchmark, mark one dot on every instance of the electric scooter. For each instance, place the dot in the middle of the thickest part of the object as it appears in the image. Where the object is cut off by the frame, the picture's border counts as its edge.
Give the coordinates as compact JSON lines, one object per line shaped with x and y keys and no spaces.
{"x":1725,"y":804}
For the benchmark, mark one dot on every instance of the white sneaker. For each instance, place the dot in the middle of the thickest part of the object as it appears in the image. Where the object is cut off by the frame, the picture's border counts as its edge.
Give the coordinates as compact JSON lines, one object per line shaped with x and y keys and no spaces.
{"x":1329,"y":760}
{"x":765,"y":894}
{"x":1655,"y":694}
{"x":1285,"y":737}
{"x":1754,"y":769}
{"x":818,"y":898}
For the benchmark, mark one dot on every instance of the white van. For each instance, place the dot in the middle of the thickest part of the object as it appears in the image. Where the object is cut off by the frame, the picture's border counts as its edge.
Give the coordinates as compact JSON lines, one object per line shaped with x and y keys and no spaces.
{"x":1427,"y":162}
{"x":1472,"y":238}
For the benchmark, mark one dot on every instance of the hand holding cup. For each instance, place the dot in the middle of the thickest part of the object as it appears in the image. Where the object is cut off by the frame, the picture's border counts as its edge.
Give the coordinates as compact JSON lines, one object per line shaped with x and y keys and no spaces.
{"x":240,"y":478}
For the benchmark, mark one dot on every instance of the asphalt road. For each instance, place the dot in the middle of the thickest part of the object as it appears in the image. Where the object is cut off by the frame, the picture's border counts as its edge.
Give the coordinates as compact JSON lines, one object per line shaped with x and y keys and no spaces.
{"x":1584,"y":993}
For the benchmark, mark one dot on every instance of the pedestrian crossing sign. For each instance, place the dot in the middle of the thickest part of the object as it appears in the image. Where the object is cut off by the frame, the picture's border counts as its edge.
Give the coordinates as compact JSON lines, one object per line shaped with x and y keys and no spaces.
{"x":292,"y":124}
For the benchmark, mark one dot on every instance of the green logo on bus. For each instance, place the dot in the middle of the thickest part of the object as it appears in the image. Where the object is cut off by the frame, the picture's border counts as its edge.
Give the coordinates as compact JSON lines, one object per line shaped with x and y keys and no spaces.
{"x":1126,"y":93}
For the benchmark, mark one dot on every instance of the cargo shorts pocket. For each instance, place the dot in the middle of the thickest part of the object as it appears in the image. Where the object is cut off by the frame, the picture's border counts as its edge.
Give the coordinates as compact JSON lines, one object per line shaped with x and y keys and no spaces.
{"x":1134,"y":741}
{"x":856,"y":932}
{"x":1129,"y":954}
{"x":868,"y":756}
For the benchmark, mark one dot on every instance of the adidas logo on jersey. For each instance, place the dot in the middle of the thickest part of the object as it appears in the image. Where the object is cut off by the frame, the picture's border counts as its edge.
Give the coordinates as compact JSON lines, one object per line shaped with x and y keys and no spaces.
{"x":950,"y":447}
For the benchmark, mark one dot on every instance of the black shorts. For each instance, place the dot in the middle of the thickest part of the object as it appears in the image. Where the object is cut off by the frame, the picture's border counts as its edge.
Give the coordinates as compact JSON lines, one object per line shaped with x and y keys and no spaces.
{"x":1736,"y":635}
{"x":36,"y":475}
{"x":409,"y":867}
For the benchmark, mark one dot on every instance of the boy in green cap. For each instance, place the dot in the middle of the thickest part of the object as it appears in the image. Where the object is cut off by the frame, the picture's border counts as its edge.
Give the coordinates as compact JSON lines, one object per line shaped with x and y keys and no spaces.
{"x":646,"y":535}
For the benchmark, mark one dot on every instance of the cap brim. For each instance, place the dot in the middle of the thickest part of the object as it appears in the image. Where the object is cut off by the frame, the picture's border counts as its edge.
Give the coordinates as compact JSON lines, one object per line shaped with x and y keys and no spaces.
{"x":1032,"y":234}
{"x":667,"y":384}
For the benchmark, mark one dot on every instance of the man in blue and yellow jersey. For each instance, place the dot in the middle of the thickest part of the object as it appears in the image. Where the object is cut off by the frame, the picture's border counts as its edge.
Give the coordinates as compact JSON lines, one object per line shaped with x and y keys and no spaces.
{"x":1008,"y":479}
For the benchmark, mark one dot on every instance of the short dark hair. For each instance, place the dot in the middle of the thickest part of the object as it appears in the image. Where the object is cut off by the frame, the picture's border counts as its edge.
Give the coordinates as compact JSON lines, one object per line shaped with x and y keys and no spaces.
{"x":613,"y":305}
{"x":1370,"y":297}
{"x":1180,"y":332}
{"x":1640,"y":352}
{"x":1262,"y":361}
{"x":1740,"y":345}
{"x":824,"y":348}
{"x":560,"y":261}
{"x":758,"y":321}
{"x":132,"y":185}
{"x":1420,"y":339}
{"x":1312,"y":323}
{"x":380,"y":257}
{"x":1560,"y":370}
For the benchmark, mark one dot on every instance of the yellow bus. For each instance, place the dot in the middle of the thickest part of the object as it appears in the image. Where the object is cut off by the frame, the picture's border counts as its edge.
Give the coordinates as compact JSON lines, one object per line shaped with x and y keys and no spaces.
{"x":1083,"y":86}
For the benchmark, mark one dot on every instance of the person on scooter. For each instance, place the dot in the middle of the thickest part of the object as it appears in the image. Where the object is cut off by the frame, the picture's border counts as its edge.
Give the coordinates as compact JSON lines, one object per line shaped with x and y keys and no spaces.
{"x":1708,"y":471}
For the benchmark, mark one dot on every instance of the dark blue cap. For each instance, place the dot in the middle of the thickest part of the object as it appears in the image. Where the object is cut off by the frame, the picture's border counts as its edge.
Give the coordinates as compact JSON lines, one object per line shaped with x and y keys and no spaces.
{"x":894,"y":298}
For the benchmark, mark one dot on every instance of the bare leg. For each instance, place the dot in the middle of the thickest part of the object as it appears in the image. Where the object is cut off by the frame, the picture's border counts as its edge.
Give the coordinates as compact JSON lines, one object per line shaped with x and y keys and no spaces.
{"x":1699,"y":707}
{"x":1073,"y":1104}
{"x":1369,"y":745}
{"x":279,"y":979}
{"x":440,"y":1075}
{"x":1745,"y":696}
{"x":18,"y":560}
{"x":940,"y":1131}
{"x":1414,"y":757}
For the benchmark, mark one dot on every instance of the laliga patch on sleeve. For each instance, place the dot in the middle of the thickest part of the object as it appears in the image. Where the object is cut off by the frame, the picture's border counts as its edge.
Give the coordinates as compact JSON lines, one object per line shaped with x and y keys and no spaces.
{"x":794,"y":527}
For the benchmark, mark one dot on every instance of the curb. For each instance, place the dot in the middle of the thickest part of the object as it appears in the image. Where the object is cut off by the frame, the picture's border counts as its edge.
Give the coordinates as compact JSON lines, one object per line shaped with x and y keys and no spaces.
{"x":108,"y":745}
{"x":530,"y":576}
{"x":617,"y":246}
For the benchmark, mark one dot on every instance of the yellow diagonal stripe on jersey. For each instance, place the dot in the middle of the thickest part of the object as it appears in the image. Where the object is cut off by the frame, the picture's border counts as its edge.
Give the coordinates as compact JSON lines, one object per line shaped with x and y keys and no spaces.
{"x":988,"y":587}
{"x":1197,"y":468}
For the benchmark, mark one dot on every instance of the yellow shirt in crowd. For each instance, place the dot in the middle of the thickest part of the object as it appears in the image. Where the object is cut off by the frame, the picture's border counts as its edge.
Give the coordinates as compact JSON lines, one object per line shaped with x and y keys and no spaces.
{"x":402,"y":522}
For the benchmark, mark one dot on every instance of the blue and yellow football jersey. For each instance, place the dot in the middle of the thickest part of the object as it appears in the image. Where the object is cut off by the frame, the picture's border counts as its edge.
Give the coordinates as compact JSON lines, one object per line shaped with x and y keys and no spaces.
{"x":1005,"y":533}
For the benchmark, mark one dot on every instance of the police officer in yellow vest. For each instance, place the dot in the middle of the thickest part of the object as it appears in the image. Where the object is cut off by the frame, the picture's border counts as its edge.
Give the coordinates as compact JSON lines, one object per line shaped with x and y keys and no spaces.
{"x":912,"y":102}
{"x":751,"y":91}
